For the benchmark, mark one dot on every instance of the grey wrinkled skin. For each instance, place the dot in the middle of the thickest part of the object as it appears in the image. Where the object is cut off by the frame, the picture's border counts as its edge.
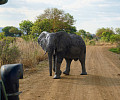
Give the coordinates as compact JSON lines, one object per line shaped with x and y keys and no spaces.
{"x":63,"y":45}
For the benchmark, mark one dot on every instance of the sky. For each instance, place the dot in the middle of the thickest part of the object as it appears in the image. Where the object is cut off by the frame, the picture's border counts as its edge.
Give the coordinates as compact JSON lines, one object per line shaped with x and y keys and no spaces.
{"x":89,"y":14}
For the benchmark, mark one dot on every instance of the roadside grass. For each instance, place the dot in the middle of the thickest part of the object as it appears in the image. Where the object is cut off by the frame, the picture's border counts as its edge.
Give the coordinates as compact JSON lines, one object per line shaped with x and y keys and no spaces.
{"x":92,"y":42}
{"x":31,"y":53}
{"x":115,"y":50}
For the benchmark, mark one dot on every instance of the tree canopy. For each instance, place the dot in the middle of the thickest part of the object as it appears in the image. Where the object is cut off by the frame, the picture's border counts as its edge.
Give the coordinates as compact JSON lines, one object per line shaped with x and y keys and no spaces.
{"x":101,"y":30}
{"x":53,"y":20}
{"x":25,"y":26}
{"x":117,"y":30}
{"x":6,"y":31}
{"x":15,"y":31}
{"x":11,"y":31}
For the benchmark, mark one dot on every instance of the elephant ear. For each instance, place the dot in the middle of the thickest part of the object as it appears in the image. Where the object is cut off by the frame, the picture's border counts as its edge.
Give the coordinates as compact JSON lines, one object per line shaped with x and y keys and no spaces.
{"x":42,"y":40}
{"x":63,"y":41}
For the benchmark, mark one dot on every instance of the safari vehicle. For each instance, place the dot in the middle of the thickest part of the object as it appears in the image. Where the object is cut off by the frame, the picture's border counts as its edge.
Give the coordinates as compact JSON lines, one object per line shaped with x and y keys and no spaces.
{"x":3,"y":1}
{"x":9,"y":83}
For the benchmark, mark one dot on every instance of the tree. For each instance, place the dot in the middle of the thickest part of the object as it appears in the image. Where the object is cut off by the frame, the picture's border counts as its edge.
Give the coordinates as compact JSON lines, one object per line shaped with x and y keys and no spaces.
{"x":11,"y":31}
{"x":2,"y":35}
{"x":83,"y":33}
{"x":101,"y":30}
{"x":25,"y":26}
{"x":89,"y":36}
{"x":6,"y":30}
{"x":39,"y":26}
{"x":57,"y":19}
{"x":115,"y":38}
{"x":15,"y":31}
{"x":106,"y":36}
{"x":117,"y":30}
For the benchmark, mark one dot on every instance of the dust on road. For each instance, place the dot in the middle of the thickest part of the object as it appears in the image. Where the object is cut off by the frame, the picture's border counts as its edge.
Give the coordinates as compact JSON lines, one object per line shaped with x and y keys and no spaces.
{"x":101,"y":83}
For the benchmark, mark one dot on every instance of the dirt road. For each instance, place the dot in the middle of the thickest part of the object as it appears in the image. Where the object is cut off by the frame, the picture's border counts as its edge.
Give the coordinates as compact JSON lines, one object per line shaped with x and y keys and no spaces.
{"x":101,"y":83}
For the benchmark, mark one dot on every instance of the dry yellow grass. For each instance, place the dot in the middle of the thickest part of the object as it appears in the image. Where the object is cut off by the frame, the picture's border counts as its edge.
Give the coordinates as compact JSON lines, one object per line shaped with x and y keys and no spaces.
{"x":31,"y":53}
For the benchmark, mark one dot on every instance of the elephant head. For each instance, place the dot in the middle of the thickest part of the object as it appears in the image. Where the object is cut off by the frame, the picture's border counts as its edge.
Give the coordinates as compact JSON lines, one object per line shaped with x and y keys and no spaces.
{"x":47,"y":41}
{"x":52,"y":43}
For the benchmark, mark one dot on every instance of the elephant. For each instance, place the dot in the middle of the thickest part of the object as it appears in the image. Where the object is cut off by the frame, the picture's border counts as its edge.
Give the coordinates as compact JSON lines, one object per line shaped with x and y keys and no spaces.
{"x":61,"y":45}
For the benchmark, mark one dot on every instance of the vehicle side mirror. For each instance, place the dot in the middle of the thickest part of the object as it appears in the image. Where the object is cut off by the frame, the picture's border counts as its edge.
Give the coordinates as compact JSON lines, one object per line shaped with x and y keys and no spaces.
{"x":3,"y":1}
{"x":10,"y":75}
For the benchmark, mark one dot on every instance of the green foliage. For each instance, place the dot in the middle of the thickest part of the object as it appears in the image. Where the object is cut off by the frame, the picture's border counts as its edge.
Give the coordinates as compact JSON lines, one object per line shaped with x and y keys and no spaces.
{"x":101,"y":30}
{"x":2,"y":35}
{"x":92,"y":42}
{"x":11,"y":31}
{"x":115,"y":50}
{"x":8,"y":52}
{"x":106,"y":36}
{"x":53,"y":20}
{"x":25,"y":26}
{"x":41,"y":25}
{"x":82,"y":31}
{"x":6,"y":30}
{"x":68,"y":19}
{"x":115,"y":38}
{"x":78,"y":33}
{"x":88,"y":36}
{"x":85,"y":35}
{"x":8,"y":40}
{"x":117,"y":30}
{"x":15,"y":31}
{"x":30,"y":37}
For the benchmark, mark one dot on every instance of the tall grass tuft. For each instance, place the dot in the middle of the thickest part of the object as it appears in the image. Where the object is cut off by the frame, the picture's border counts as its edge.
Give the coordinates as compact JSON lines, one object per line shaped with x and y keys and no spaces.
{"x":17,"y":50}
{"x":31,"y":53}
{"x":9,"y":52}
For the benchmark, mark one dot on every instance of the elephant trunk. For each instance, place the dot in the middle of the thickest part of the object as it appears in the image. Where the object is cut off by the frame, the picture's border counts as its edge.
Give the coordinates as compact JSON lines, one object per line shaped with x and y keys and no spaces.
{"x":50,"y":63}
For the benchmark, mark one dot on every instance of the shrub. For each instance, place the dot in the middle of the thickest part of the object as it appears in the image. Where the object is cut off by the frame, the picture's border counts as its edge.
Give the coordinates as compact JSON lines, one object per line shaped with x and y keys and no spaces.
{"x":2,"y":35}
{"x":9,"y":40}
{"x":17,"y":50}
{"x":31,"y":53}
{"x":115,"y":38}
{"x":29,"y":37}
{"x":9,"y":53}
{"x":115,"y":50}
{"x":92,"y":42}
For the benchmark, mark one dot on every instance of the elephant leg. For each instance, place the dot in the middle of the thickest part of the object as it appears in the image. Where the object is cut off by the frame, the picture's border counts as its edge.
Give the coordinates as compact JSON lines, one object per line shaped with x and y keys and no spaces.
{"x":82,"y":60}
{"x":54,"y":63}
{"x":57,"y":67}
{"x":67,"y":70}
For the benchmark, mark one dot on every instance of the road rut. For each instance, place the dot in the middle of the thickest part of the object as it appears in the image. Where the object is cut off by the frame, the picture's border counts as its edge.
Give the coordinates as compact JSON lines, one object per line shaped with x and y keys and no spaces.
{"x":101,"y":83}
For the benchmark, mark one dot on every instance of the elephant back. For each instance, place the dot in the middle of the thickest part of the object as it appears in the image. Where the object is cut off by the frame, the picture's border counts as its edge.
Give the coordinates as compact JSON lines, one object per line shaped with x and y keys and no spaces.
{"x":77,"y":40}
{"x":63,"y":41}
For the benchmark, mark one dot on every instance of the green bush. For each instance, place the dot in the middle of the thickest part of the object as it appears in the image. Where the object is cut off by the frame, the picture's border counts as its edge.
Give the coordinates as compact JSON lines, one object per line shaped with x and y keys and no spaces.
{"x":8,"y":51}
{"x":2,"y":35}
{"x":115,"y":38}
{"x":91,"y":42}
{"x":115,"y":50}
{"x":29,"y":37}
{"x":9,"y":40}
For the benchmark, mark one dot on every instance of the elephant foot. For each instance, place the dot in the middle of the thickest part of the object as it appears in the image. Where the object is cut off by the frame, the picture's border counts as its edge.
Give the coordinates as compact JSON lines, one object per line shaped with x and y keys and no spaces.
{"x":56,"y":77}
{"x":83,"y":73}
{"x":66,"y":73}
{"x":50,"y":74}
